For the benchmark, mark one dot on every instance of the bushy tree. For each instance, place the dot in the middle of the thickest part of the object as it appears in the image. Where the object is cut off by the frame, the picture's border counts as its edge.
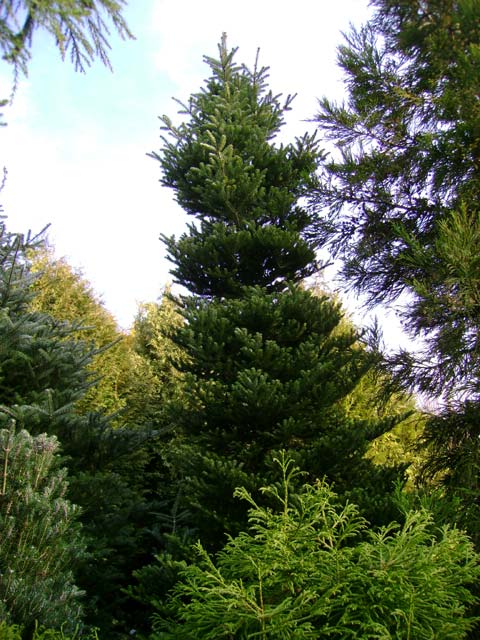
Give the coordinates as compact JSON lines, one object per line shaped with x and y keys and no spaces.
{"x":243,"y":190}
{"x":310,"y":568}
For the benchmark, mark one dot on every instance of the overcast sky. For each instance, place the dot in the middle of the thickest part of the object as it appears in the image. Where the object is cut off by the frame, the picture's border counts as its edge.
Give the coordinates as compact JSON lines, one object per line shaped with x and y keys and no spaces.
{"x":75,"y":145}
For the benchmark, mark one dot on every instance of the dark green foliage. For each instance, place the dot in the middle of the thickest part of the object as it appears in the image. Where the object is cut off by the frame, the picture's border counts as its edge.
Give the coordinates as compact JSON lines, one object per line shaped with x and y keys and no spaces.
{"x":243,"y":189}
{"x":40,"y":542}
{"x":309,"y":568}
{"x":399,"y":198}
{"x":268,"y":363}
{"x":398,"y":202}
{"x":267,"y":372}
{"x":42,"y":368}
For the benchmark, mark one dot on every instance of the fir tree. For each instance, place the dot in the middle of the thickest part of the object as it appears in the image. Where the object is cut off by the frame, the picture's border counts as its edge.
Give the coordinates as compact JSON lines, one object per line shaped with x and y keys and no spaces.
{"x":267,"y":361}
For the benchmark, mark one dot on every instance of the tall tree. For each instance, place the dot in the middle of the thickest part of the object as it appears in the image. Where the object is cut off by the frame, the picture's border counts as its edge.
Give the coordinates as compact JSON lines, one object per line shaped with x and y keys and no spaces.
{"x":267,"y":364}
{"x":64,"y":294}
{"x":398,"y":202}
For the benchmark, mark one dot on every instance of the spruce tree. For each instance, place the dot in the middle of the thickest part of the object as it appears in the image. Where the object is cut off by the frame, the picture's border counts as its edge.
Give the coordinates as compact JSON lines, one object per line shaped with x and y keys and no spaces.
{"x":268,"y":361}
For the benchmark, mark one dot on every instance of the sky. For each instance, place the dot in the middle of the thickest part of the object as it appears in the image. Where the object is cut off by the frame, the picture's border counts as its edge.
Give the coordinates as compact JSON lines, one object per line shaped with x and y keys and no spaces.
{"x":76,"y":145}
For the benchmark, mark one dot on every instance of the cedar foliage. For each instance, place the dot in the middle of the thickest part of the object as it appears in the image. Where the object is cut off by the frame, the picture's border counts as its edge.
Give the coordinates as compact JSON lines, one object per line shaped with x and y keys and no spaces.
{"x":309,"y":567}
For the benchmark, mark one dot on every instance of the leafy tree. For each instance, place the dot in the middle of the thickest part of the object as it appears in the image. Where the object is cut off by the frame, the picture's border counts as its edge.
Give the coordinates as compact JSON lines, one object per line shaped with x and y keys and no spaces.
{"x":65,"y":295}
{"x":40,"y":539}
{"x":79,"y":28}
{"x":399,"y":197}
{"x":267,"y":366}
{"x":309,"y":568}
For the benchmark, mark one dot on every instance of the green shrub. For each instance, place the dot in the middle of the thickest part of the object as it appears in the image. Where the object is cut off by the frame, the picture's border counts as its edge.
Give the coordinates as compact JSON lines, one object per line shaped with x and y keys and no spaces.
{"x":312,"y":566}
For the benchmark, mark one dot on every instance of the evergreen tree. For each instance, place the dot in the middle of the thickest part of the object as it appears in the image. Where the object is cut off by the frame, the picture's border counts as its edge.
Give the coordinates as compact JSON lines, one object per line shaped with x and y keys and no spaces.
{"x":155,"y":378}
{"x":243,"y":190}
{"x":267,"y":362}
{"x":44,"y":376}
{"x":399,"y":203}
{"x":64,"y":294}
{"x":399,"y":198}
{"x":78,"y":27}
{"x":40,"y":541}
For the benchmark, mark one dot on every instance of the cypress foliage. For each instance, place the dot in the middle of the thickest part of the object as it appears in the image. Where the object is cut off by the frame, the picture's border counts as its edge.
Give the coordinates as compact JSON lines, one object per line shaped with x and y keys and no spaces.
{"x":309,"y":568}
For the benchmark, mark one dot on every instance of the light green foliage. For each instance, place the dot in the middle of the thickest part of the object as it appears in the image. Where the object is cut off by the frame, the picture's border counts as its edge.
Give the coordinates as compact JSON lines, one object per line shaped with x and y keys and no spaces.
{"x":14,"y":632}
{"x":310,"y":568}
{"x":39,"y":533}
{"x":155,"y":378}
{"x":65,"y":295}
{"x":80,"y":29}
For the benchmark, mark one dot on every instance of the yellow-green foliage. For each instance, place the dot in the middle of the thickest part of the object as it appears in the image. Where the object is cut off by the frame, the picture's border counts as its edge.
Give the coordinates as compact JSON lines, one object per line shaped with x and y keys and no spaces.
{"x":65,"y":294}
{"x":14,"y":632}
{"x":311,"y":568}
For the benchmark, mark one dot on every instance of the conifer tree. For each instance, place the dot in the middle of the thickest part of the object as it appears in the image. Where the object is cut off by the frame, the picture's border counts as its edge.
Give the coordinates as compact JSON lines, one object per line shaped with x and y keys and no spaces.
{"x":398,"y":203}
{"x":41,"y":375}
{"x":44,"y":377}
{"x":267,"y":362}
{"x":64,"y":294}
{"x":40,"y":541}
